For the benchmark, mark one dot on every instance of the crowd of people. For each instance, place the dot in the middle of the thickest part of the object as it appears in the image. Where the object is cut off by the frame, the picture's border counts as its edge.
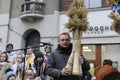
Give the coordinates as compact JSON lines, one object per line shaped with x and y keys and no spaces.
{"x":21,"y":66}
{"x":50,"y":65}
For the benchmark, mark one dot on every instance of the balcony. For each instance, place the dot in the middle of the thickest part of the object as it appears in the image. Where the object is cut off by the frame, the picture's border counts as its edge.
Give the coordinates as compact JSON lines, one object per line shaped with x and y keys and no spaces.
{"x":32,"y":11}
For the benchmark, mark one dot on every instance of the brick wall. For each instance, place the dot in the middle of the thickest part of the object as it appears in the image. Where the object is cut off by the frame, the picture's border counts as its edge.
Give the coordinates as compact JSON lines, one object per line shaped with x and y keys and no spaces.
{"x":104,"y":4}
{"x":64,"y":4}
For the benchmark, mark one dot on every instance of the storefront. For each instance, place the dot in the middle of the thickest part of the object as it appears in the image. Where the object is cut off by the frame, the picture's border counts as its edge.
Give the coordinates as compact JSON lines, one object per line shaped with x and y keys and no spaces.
{"x":100,"y":41}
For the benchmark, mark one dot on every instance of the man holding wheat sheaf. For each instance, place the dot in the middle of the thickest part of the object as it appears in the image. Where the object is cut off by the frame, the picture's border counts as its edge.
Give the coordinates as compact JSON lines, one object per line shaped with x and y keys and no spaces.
{"x":56,"y":65}
{"x":66,"y":62}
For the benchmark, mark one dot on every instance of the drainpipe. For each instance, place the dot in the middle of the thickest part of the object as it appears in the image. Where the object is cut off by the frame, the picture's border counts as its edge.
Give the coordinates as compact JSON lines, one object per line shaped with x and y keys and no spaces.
{"x":9,"y":22}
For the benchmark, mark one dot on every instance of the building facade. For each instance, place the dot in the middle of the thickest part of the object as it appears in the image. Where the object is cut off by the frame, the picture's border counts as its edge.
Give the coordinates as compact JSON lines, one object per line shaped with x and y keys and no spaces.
{"x":30,"y":22}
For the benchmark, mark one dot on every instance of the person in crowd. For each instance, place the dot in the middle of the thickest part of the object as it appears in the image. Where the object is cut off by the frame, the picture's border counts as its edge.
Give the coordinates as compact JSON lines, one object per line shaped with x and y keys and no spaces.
{"x":10,"y":75}
{"x":107,"y":68}
{"x":18,"y":66}
{"x":30,"y":57}
{"x":38,"y":64}
{"x":4,"y":65}
{"x":47,"y":50}
{"x":58,"y":58}
{"x":30,"y":74}
{"x":11,"y":54}
{"x":112,"y":76}
{"x":86,"y":74}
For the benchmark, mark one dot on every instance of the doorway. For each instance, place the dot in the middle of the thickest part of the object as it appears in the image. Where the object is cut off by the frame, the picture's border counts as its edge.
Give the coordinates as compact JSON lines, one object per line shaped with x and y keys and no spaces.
{"x":33,"y":40}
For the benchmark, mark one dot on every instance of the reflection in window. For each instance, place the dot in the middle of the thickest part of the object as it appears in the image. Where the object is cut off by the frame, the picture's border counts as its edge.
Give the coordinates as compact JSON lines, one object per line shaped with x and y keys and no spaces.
{"x":93,"y":3}
{"x":89,"y":51}
{"x":111,"y":52}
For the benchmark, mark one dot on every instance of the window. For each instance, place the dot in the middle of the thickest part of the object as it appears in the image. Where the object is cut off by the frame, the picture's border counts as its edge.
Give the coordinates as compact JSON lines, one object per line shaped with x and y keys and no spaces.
{"x":35,"y":0}
{"x":93,"y":3}
{"x":89,"y":52}
{"x":112,"y":52}
{"x":40,"y":0}
{"x":64,"y":4}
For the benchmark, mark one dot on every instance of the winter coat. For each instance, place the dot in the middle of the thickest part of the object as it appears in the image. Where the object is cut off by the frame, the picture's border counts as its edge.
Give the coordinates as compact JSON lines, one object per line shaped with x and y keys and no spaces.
{"x":58,"y":60}
{"x":104,"y":71}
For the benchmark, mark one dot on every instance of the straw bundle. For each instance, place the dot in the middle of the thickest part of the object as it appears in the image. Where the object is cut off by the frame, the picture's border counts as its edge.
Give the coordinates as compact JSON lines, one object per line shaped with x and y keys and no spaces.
{"x":112,"y":2}
{"x":77,"y":23}
{"x":115,"y":16}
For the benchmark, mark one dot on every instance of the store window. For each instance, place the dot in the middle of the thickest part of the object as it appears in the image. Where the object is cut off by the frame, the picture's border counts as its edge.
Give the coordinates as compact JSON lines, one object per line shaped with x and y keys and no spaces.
{"x":89,"y":52}
{"x":112,"y":52}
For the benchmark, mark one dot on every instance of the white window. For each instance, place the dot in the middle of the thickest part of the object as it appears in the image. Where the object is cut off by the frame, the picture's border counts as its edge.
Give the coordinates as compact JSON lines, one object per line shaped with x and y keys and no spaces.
{"x":40,"y":0}
{"x":93,"y":3}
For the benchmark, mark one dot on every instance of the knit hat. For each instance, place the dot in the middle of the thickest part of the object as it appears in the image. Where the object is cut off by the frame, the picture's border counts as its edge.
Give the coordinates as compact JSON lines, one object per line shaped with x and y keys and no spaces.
{"x":9,"y":73}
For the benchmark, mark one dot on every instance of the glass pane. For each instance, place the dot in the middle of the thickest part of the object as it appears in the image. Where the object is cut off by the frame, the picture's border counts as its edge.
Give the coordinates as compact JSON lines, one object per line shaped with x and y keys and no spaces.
{"x":40,"y":0}
{"x":95,"y":3}
{"x":86,"y":3}
{"x":89,"y":52}
{"x":111,"y":52}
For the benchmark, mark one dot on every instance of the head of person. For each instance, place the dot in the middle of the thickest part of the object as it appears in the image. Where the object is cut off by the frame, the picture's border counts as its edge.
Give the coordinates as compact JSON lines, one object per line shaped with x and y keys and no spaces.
{"x":10,"y":75}
{"x":112,"y":76}
{"x":47,"y":48}
{"x":29,"y":51}
{"x":39,"y":56}
{"x":30,"y":73}
{"x":20,"y":58}
{"x":108,"y":62}
{"x":64,"y":40}
{"x":9,"y":47}
{"x":3,"y":57}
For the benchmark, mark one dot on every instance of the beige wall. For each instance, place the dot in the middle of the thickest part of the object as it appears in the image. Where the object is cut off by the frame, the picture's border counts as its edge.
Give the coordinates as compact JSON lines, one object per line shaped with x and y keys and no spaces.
{"x":4,"y":6}
{"x":16,"y":8}
{"x":51,"y":6}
